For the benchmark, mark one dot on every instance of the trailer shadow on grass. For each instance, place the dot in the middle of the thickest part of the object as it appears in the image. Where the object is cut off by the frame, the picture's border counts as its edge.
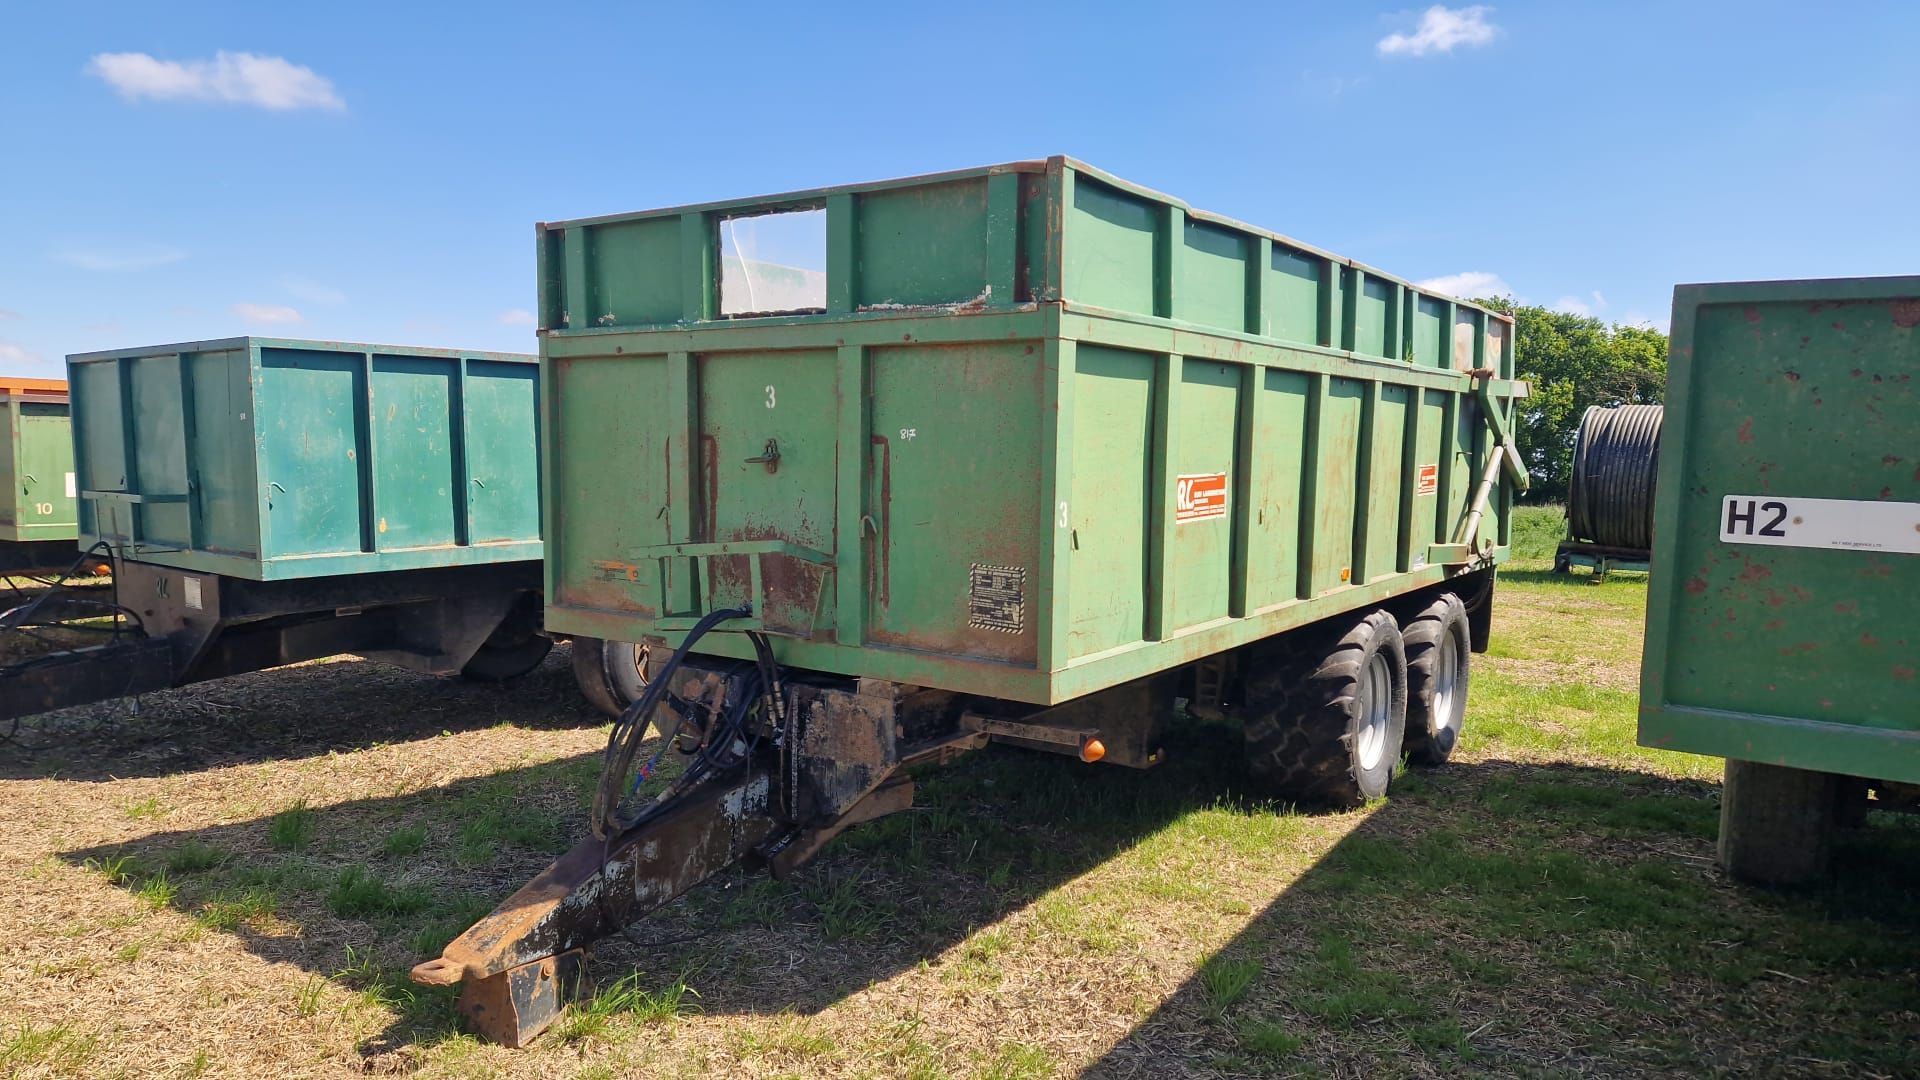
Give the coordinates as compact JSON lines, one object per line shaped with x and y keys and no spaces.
{"x":306,"y":710}
{"x":1554,"y":920}
{"x":1517,"y":918}
{"x":357,"y":892}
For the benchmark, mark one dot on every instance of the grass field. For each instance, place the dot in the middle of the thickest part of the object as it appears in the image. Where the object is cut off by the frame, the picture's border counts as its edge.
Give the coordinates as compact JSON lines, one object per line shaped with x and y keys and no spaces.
{"x":233,"y":880}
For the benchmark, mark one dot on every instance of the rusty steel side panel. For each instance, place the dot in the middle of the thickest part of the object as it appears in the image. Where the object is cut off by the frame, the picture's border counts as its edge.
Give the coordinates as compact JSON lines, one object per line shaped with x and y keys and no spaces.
{"x":1782,"y":626}
{"x":1168,"y":436}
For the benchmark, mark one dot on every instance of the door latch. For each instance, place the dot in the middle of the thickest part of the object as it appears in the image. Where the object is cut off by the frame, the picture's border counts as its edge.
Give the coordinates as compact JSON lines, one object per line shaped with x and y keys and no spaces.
{"x":770,"y":457}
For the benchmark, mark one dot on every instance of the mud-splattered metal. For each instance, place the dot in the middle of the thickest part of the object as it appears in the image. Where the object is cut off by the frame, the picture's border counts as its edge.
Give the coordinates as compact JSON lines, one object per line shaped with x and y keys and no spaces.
{"x":991,"y":395}
{"x":1783,"y":622}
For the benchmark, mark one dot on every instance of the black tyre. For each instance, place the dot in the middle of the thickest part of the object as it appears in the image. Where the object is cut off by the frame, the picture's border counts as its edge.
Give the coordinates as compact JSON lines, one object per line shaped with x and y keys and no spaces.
{"x":515,"y":647}
{"x":611,"y":674}
{"x":1438,"y":643}
{"x":1776,"y":823}
{"x":1326,"y":715}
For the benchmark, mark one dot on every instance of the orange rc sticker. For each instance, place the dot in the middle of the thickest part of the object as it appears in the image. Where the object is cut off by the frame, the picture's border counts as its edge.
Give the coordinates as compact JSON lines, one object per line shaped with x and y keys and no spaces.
{"x":1200,"y":497}
{"x":1429,"y":480}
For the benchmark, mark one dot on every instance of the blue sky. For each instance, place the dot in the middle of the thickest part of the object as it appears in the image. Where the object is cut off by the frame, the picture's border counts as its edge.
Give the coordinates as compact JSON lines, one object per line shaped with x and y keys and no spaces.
{"x":373,"y":172}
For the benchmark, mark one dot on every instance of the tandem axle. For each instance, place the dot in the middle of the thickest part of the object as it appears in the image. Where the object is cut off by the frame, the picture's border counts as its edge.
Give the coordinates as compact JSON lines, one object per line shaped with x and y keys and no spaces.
{"x":774,"y":763}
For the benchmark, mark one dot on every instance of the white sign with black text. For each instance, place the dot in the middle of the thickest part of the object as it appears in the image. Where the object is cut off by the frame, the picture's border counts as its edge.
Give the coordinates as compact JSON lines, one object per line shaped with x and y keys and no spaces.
{"x":1850,"y":524}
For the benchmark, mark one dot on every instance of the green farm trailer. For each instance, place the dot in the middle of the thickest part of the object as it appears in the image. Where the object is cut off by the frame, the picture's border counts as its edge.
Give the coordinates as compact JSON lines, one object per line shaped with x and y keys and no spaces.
{"x":38,"y":529}
{"x":268,"y":501}
{"x":1783,"y":632}
{"x":1022,"y":454}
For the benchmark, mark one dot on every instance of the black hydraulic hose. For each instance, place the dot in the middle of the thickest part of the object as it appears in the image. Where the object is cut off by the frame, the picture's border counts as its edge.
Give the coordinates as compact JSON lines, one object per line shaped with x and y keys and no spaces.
{"x":1616,"y":457}
{"x":623,"y":742}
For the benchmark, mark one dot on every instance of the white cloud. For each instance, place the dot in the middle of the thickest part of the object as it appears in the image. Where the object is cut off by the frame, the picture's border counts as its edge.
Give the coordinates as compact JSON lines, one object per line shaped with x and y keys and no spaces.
{"x":1635,"y":318}
{"x":6,"y":315}
{"x":516,"y":317}
{"x":270,"y":82}
{"x":1574,"y":305}
{"x":17,"y":354}
{"x":1442,"y":30}
{"x":313,"y":292}
{"x":267,"y":313}
{"x":117,"y":261}
{"x":1468,"y":284}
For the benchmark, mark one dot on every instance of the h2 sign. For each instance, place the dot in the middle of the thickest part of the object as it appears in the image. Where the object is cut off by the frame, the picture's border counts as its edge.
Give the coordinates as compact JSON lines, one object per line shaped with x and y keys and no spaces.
{"x":1848,"y":524}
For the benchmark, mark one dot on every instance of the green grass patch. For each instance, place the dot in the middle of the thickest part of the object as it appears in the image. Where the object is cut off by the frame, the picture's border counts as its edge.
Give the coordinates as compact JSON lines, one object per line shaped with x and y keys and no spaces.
{"x":1224,"y":980}
{"x":404,"y":842}
{"x":195,"y":857}
{"x":1018,"y":1061}
{"x":292,"y":829}
{"x":1601,"y":806}
{"x":848,"y":905}
{"x":251,"y":908}
{"x":1270,"y":1040}
{"x":629,"y":998}
{"x":54,"y":1049}
{"x":359,"y":893}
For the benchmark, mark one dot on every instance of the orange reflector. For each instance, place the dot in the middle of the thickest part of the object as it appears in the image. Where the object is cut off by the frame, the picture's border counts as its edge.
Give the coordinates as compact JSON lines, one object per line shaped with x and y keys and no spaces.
{"x":1092,"y":750}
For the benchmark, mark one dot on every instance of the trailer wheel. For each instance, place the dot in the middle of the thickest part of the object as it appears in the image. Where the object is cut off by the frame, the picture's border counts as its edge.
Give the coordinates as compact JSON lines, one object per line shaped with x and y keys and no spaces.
{"x":1438,"y":643}
{"x":1326,"y":724}
{"x":515,"y":647}
{"x":1776,"y":823}
{"x":611,"y":674}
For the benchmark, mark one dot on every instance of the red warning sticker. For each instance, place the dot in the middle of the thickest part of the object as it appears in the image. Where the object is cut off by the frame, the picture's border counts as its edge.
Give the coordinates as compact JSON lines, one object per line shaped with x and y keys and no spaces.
{"x":1429,"y":481}
{"x":1200,"y":497}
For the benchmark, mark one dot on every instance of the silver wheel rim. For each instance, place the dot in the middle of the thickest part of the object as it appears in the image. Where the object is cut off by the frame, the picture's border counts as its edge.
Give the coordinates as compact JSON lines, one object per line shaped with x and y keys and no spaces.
{"x":624,"y":674}
{"x":1376,"y":702}
{"x":1446,"y":686}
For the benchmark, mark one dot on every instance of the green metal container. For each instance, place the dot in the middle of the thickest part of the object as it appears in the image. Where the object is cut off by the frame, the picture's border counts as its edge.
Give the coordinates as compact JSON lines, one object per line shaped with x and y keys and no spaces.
{"x":1783,"y":623}
{"x":1026,"y":431}
{"x":267,"y":459}
{"x":36,"y":461}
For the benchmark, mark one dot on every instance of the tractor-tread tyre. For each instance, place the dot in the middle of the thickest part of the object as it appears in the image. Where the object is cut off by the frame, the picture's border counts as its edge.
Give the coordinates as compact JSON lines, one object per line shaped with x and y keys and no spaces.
{"x":1305,"y":709}
{"x":1431,"y":737}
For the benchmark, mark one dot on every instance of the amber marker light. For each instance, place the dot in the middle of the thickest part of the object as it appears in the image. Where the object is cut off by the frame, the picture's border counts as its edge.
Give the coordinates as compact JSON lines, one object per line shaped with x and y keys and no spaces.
{"x":1092,"y":750}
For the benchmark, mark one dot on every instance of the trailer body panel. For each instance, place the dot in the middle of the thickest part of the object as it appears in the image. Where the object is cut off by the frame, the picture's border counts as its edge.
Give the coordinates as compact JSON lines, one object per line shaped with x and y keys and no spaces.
{"x":1027,"y":431}
{"x":36,"y":463}
{"x":267,"y":459}
{"x":1781,"y":627}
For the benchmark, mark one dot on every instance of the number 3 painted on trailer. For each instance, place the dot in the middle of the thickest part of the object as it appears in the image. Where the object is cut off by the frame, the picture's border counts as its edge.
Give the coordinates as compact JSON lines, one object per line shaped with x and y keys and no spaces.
{"x":770,"y":397}
{"x":1063,"y":513}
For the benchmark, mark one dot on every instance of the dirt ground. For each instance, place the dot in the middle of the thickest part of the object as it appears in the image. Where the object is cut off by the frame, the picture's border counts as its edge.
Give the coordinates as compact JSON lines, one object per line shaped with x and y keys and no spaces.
{"x":232,"y":879}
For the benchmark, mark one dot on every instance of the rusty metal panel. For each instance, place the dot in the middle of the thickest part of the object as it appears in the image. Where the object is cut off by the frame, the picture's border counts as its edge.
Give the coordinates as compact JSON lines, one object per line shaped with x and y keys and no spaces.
{"x":1043,"y":432}
{"x":1781,"y":622}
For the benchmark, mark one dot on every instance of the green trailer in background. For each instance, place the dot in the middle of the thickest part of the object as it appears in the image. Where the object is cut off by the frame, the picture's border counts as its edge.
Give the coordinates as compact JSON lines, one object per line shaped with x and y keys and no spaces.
{"x":1783,"y":622}
{"x":268,"y":501}
{"x":38,"y":526}
{"x":1024,"y":454}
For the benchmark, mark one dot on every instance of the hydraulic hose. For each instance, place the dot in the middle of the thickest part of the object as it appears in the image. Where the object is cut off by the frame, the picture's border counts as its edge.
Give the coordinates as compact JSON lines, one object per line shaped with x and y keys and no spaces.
{"x":1616,"y":456}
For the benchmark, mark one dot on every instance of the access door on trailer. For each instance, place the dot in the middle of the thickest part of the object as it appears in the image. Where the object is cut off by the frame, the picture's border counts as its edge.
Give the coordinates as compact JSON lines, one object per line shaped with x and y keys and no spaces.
{"x":767,"y":452}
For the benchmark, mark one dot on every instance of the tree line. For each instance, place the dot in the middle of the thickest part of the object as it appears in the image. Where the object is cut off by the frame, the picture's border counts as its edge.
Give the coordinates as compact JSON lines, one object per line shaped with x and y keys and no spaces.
{"x":1570,"y":362}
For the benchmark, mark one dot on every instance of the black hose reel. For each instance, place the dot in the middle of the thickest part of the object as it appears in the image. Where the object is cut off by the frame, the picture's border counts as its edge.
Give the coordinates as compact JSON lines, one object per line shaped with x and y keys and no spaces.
{"x":1616,"y":458}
